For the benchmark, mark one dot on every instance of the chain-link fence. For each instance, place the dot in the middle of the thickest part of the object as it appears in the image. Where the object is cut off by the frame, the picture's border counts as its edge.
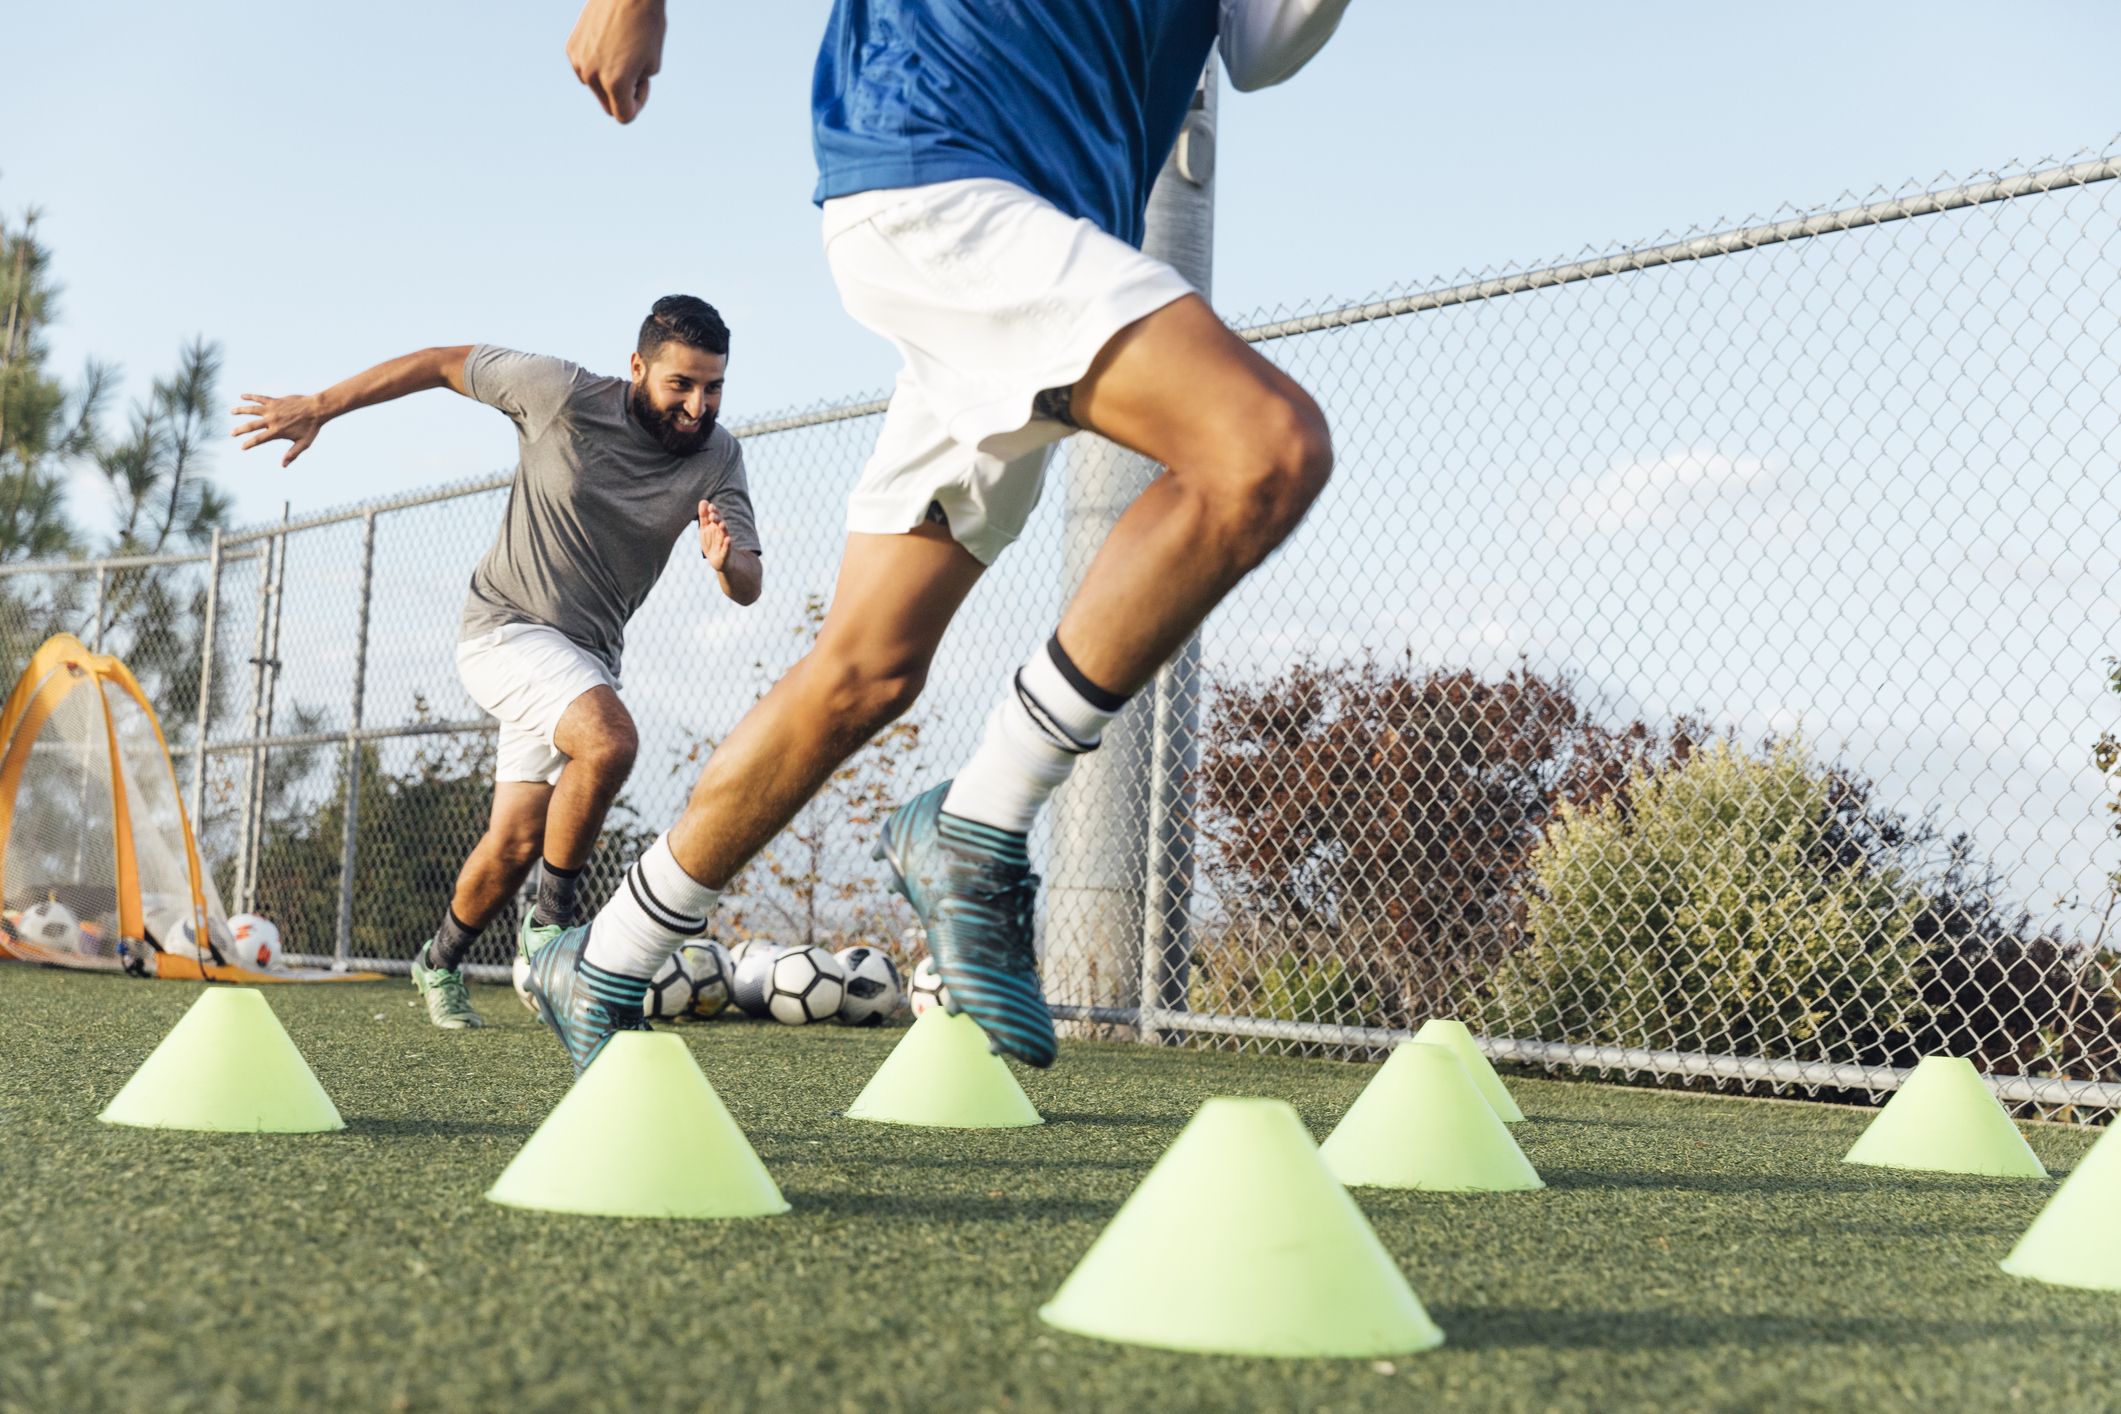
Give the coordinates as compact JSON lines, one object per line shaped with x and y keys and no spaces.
{"x":1696,"y":670}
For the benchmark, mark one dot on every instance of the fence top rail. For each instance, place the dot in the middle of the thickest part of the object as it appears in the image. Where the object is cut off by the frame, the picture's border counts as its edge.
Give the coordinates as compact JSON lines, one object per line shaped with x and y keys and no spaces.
{"x":1704,"y":247}
{"x":125,"y":562}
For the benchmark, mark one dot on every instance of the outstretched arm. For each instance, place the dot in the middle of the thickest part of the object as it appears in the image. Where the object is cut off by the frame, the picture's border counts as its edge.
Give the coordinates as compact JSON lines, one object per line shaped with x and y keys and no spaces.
{"x":301,"y":416}
{"x":740,"y":571}
{"x":616,"y":47}
{"x":1264,"y":42}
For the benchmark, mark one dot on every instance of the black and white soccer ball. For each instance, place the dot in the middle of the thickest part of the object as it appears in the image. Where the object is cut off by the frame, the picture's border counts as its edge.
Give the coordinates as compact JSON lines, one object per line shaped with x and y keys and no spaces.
{"x":927,"y":992}
{"x":805,"y":985}
{"x":51,"y":924}
{"x":873,"y":987}
{"x":670,"y":991}
{"x":712,"y":973}
{"x":750,"y":965}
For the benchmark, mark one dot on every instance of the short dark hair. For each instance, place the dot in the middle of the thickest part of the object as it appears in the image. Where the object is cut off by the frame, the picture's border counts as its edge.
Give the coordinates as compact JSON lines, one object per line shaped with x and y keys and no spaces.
{"x":683,"y":319}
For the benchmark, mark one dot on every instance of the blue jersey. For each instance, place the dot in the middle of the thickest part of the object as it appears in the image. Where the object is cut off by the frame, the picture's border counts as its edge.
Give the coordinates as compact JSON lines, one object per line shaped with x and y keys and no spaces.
{"x":1078,"y":101}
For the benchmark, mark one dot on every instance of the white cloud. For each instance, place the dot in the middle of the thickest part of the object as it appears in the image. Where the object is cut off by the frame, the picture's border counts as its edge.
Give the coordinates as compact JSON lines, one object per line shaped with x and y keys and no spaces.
{"x":1654,"y":493}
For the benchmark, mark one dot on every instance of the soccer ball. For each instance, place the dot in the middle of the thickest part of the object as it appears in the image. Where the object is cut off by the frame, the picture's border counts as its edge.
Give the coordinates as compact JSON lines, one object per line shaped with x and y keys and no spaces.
{"x":928,"y":991}
{"x":805,"y":985}
{"x":671,"y":990}
{"x":519,"y":973}
{"x":751,"y":964}
{"x":257,"y":941}
{"x":712,"y":973}
{"x":52,"y":925}
{"x":178,"y":936}
{"x":873,"y":988}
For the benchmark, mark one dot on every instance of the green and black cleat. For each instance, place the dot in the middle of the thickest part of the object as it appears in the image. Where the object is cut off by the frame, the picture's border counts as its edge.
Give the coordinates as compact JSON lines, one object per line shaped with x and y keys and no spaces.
{"x":973,"y":888}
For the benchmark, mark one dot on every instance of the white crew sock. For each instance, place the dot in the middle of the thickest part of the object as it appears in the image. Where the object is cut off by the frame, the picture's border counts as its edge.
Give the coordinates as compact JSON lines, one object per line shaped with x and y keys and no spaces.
{"x":1049,"y":715}
{"x":658,"y":907}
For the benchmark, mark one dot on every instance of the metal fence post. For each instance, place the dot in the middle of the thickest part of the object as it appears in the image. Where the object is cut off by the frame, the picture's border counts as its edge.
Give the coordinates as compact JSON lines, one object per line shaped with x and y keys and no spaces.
{"x":261,"y":755}
{"x":257,"y":724}
{"x":95,"y":640}
{"x":206,"y":694}
{"x":1118,"y":886}
{"x":343,"y":947}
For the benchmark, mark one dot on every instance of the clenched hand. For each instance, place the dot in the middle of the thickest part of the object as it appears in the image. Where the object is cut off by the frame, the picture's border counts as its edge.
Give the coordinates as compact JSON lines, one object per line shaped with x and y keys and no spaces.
{"x":616,"y":47}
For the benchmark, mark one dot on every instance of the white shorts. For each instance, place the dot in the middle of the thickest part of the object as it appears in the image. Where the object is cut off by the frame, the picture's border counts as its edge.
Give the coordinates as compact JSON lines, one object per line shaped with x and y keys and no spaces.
{"x":528,"y":675}
{"x":992,"y":296}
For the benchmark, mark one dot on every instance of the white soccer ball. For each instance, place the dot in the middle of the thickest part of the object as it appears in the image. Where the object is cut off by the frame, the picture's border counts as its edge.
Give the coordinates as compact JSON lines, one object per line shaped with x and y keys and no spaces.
{"x":873,"y":987}
{"x":752,"y":963}
{"x":927,"y":991}
{"x":257,"y":941}
{"x":52,"y":925}
{"x":670,"y":991}
{"x":713,"y":973}
{"x":178,"y":936}
{"x":519,"y":973}
{"x":805,"y":985}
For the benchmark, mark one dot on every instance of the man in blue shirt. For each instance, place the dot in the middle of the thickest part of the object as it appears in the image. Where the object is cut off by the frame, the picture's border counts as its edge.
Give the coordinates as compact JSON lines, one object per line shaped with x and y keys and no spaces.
{"x":984,"y":167}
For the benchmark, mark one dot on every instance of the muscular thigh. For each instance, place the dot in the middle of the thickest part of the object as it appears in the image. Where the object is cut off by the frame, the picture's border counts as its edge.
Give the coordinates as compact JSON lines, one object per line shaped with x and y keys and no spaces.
{"x":1180,"y":388}
{"x":595,"y":719}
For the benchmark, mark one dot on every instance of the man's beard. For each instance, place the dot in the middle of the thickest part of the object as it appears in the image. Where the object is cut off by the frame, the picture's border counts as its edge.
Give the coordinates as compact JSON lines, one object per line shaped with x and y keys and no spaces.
{"x":663,"y":426}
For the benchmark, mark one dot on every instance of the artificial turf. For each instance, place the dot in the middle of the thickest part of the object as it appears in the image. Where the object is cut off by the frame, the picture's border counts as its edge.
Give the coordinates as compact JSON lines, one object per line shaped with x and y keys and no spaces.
{"x":1689,"y":1253}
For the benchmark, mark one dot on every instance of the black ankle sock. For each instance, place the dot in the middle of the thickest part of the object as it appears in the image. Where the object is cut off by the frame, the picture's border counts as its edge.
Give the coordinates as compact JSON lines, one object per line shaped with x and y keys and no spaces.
{"x":556,"y":888}
{"x":452,"y":941}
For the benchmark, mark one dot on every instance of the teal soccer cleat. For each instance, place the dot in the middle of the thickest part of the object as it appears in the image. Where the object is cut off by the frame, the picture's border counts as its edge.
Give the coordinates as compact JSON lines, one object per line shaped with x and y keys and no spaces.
{"x":583,"y":1004}
{"x":973,"y":888}
{"x":447,"y":999}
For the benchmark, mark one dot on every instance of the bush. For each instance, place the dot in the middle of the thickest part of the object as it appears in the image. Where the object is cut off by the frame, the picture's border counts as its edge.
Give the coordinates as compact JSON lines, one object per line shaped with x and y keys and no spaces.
{"x":1726,"y":903}
{"x":1381,"y":817}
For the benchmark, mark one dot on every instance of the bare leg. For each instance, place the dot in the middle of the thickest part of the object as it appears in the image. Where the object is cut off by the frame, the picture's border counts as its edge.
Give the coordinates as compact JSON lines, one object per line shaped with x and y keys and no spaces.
{"x":896,"y":596}
{"x":501,"y":860}
{"x":1247,"y":452}
{"x":596,"y":733}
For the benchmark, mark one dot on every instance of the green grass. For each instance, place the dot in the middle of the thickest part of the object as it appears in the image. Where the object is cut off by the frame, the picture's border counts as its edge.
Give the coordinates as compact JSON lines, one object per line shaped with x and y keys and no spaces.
{"x":1690,"y":1253}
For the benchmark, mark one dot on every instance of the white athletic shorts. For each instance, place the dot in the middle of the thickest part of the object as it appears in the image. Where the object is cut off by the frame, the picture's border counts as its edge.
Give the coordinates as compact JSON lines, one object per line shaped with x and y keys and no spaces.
{"x":528,"y":675}
{"x":992,"y":296}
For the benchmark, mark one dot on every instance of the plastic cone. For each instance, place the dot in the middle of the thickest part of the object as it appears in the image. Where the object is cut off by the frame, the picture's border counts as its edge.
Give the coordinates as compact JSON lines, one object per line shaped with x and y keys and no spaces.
{"x":1423,"y":1123}
{"x":943,"y":1074}
{"x":1240,"y":1242}
{"x":1945,"y":1119}
{"x":2076,"y":1240}
{"x":227,"y":1066}
{"x":1439,"y":1032}
{"x":641,"y":1135}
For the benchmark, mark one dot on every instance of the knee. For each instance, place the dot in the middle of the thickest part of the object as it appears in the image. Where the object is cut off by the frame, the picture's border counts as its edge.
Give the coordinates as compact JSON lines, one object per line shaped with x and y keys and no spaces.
{"x":861,"y":693}
{"x":611,"y":751}
{"x":1284,"y":458}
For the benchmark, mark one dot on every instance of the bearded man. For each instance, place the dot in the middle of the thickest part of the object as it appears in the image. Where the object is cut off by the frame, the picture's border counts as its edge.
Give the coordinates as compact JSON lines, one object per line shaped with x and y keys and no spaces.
{"x":612,"y":471}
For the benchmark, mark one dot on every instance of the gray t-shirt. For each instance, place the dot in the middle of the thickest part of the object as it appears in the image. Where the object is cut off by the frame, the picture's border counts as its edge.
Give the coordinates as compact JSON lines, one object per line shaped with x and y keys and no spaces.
{"x":596,"y":505}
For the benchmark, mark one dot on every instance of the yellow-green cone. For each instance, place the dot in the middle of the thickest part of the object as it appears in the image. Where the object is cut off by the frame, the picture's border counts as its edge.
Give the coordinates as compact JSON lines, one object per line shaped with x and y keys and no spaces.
{"x":1440,"y":1032}
{"x":2076,"y":1240}
{"x":1421,"y":1122}
{"x":942,"y":1074}
{"x":641,"y":1135}
{"x":229,"y":1066}
{"x":1945,"y":1119}
{"x":1240,"y":1242}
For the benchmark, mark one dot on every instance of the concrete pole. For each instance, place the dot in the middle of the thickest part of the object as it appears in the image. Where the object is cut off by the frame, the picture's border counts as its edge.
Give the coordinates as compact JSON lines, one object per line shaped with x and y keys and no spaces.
{"x":1118,"y":887}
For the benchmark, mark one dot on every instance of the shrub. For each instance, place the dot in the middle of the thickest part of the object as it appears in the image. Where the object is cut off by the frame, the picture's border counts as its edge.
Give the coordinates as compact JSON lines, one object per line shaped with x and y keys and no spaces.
{"x":1729,"y":902}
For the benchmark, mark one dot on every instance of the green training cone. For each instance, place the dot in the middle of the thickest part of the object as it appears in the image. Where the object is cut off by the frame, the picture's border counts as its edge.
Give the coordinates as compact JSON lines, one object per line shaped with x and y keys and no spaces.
{"x":641,"y":1135}
{"x":1240,"y":1242}
{"x":228,"y":1065}
{"x":1945,"y":1119}
{"x":1421,"y":1122}
{"x":2076,"y":1240}
{"x":1439,"y":1032}
{"x":941,"y":1073}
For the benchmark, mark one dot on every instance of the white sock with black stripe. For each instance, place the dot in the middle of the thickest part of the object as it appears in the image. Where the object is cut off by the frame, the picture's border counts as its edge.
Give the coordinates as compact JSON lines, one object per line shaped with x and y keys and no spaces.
{"x":1049,"y":717}
{"x":656,"y":908}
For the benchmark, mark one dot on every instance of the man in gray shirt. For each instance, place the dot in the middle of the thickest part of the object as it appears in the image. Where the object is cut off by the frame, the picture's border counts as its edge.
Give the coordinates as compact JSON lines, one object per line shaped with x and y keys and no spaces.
{"x":612,"y":471}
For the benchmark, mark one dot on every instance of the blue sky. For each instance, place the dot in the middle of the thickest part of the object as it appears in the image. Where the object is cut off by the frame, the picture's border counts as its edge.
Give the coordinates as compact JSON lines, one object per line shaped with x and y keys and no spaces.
{"x":319,"y":187}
